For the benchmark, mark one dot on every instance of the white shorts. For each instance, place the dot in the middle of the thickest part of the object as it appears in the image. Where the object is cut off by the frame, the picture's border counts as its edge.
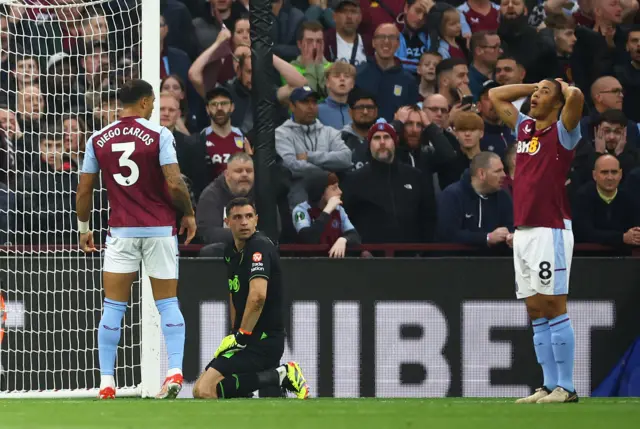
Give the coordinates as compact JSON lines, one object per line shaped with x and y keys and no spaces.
{"x":159,"y":254}
{"x":542,"y":261}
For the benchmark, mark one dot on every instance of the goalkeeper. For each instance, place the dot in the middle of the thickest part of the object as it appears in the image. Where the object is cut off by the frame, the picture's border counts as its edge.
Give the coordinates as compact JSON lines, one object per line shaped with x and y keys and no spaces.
{"x":249,"y":359}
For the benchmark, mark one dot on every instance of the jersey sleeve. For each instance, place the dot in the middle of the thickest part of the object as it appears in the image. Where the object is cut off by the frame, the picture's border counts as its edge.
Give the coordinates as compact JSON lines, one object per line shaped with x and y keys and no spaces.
{"x":90,"y":162}
{"x":260,"y":254}
{"x":569,"y":139}
{"x":300,"y":218}
{"x":344,"y":220}
{"x":167,"y":148}
{"x":521,"y":118}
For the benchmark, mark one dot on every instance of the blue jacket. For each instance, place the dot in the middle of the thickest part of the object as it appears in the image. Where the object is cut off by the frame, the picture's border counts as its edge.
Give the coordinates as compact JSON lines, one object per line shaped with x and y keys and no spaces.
{"x":409,"y":59}
{"x":496,"y":139}
{"x":465,"y":217}
{"x":395,"y":87}
{"x":334,"y":114}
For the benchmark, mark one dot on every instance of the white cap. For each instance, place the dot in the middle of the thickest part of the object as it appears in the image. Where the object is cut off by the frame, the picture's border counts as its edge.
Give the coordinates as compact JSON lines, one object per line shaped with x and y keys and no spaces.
{"x":53,"y":59}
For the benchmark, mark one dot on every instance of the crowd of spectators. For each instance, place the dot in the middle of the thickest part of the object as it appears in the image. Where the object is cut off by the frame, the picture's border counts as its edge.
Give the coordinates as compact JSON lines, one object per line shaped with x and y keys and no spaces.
{"x":385,"y":131}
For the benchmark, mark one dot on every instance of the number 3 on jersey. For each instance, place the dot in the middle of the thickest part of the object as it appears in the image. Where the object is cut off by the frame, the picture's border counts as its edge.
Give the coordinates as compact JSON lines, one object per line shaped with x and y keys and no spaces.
{"x":124,"y":161}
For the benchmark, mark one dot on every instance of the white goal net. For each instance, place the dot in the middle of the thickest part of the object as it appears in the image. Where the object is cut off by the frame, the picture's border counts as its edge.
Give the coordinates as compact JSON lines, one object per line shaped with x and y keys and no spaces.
{"x":61,"y":63}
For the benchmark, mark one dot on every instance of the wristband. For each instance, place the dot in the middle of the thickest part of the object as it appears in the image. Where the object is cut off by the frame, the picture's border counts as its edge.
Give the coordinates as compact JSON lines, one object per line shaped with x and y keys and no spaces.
{"x":83,"y":227}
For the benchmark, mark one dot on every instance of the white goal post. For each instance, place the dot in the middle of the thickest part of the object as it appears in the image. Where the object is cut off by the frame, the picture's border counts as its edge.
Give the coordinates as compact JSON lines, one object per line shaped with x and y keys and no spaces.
{"x":61,"y":62}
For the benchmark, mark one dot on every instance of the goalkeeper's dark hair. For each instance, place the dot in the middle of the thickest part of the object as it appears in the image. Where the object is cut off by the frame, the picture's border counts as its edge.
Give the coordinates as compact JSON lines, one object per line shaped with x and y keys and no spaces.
{"x":133,"y":90}
{"x":239,"y":202}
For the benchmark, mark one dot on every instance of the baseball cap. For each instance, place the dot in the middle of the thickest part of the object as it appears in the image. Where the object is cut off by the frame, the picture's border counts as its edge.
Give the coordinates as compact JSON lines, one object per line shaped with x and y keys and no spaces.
{"x":337,"y":4}
{"x":218,"y":91}
{"x":487,"y":85}
{"x":302,"y":93}
{"x":385,"y":127}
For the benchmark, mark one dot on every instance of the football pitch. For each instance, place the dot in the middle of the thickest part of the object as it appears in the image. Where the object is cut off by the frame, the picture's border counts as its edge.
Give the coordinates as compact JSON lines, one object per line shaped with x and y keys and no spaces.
{"x":618,"y":413}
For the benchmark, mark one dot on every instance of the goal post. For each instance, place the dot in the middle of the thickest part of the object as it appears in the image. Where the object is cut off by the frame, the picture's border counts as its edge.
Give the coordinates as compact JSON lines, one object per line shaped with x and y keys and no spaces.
{"x":61,"y":64}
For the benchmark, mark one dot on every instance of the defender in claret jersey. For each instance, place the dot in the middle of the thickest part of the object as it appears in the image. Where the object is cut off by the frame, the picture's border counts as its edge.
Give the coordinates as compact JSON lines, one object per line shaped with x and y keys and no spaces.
{"x":144,"y":187}
{"x":249,"y":359}
{"x":543,"y":240}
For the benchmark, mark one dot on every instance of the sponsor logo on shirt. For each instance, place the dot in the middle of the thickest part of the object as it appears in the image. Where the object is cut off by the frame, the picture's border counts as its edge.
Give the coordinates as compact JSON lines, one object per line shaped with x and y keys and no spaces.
{"x":257,"y":257}
{"x":531,"y":147}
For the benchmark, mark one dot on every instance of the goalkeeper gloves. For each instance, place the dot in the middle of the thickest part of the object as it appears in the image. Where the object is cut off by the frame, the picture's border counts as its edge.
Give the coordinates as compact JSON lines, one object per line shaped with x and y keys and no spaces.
{"x":233,"y":343}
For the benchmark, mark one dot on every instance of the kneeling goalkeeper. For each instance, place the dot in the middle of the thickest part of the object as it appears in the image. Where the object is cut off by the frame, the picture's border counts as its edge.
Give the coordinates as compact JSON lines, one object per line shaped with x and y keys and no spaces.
{"x":250,"y":359}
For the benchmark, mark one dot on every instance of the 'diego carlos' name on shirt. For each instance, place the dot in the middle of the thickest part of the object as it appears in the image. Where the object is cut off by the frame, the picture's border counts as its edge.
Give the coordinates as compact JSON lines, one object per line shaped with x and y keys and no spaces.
{"x":136,"y":132}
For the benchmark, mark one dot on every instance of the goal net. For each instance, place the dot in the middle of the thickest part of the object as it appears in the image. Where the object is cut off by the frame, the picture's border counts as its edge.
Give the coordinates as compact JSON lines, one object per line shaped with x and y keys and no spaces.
{"x":61,"y":63}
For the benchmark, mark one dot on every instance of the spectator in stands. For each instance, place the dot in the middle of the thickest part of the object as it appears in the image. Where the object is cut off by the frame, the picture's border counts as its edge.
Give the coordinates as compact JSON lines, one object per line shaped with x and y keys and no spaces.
{"x":30,"y":108}
{"x":510,"y":72}
{"x":219,"y":13}
{"x":610,"y":138}
{"x":334,"y":110}
{"x":476,"y":210}
{"x":311,"y":62}
{"x":481,"y":15}
{"x":519,"y":39}
{"x":64,"y":83}
{"x":210,"y":67}
{"x":413,"y":38}
{"x":344,"y":42}
{"x":383,"y":74}
{"x":322,"y":219}
{"x":286,"y":29}
{"x":557,"y":44}
{"x":174,"y":85}
{"x":363,"y":111}
{"x":445,"y":35}
{"x":485,"y":49}
{"x":12,"y":131}
{"x":421,"y":144}
{"x":240,"y":88}
{"x":26,"y":71}
{"x":436,"y":107}
{"x":177,"y":15}
{"x":172,"y":60}
{"x":603,"y":213}
{"x":427,"y":72}
{"x":497,"y":136}
{"x":237,"y":181}
{"x":95,"y":27}
{"x":452,"y":76}
{"x":628,"y":73}
{"x":468,"y":129}
{"x":94,"y":61}
{"x":387,"y":201}
{"x":306,"y":145}
{"x":607,"y":93}
{"x":52,"y":188}
{"x":108,"y":110}
{"x":74,"y":136}
{"x":5,"y":48}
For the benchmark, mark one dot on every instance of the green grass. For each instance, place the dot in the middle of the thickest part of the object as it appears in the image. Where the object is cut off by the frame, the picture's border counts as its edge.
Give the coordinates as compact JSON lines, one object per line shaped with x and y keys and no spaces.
{"x":447,"y":413}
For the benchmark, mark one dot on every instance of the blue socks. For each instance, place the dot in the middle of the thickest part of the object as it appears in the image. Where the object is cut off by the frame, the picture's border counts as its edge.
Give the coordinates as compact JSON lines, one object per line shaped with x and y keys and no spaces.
{"x":109,"y":334}
{"x":544,"y":352}
{"x":563,"y":344}
{"x":173,"y":330}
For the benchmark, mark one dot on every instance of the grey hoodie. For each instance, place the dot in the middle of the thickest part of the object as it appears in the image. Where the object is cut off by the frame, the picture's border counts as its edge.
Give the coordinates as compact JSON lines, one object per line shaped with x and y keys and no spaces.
{"x":324,"y":147}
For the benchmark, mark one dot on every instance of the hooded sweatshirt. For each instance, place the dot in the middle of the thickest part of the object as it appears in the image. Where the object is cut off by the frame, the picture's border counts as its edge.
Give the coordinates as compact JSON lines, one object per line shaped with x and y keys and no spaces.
{"x":333,"y":113}
{"x":323,"y":145}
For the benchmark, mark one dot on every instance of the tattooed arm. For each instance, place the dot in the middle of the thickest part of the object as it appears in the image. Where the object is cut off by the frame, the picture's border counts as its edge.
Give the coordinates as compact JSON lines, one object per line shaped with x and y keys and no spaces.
{"x":502,"y":98}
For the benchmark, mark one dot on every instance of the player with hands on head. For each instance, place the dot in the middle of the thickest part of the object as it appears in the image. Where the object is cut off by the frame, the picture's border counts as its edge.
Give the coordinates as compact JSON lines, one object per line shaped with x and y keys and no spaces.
{"x":249,"y":358}
{"x":543,"y":240}
{"x":145,"y":189}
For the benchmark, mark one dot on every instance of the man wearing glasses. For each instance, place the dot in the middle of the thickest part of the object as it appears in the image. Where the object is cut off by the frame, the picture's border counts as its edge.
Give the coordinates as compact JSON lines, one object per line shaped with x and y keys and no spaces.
{"x":221,"y":139}
{"x":383,"y":74}
{"x":485,"y":49}
{"x":607,"y":93}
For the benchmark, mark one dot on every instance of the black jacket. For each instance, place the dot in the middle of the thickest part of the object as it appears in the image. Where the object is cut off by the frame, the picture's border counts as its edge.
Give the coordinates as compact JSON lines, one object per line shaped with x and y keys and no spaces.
{"x":434,"y":153}
{"x":465,"y":217}
{"x":391,"y":203}
{"x":595,"y":221}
